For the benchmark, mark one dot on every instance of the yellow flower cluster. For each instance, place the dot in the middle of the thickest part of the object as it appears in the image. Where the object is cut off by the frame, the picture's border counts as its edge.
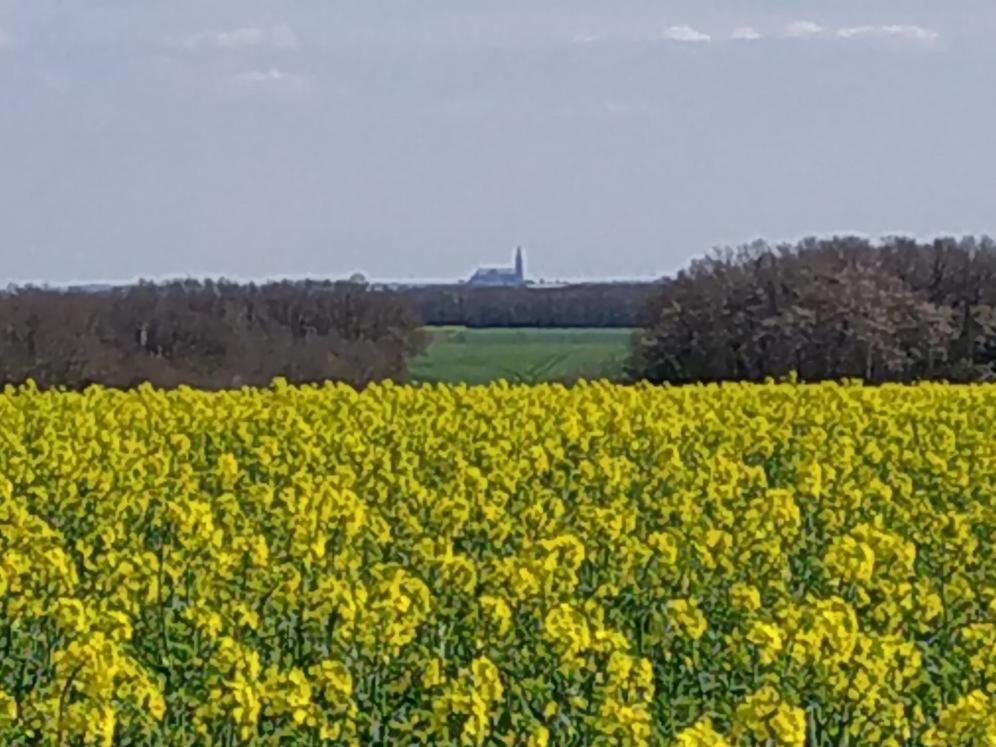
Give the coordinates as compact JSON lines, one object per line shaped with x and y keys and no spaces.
{"x":771,"y":564}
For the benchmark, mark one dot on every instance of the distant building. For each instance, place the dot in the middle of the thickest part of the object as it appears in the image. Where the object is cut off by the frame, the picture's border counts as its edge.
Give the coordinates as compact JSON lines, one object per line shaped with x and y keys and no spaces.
{"x":502,"y":276}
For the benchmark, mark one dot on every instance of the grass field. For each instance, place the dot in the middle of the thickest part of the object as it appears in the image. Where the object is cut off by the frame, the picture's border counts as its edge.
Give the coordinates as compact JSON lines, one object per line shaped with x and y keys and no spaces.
{"x":478,"y":356}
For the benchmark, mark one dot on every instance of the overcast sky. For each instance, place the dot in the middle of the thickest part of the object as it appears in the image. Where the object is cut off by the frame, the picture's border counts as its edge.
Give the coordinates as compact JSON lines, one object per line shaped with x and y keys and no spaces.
{"x":419,"y":138}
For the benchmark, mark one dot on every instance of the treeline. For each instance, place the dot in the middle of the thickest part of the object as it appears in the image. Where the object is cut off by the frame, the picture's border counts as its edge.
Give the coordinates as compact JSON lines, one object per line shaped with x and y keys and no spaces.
{"x":581,"y":305}
{"x":845,"y":307}
{"x":206,"y":334}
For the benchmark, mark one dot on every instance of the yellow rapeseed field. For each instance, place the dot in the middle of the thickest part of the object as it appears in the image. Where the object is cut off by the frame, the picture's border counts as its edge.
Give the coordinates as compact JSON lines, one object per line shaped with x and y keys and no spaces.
{"x":711,"y":565}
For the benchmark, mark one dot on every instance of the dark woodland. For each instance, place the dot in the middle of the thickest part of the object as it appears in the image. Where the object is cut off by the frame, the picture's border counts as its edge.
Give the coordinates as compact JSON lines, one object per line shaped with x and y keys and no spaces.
{"x":581,"y":305}
{"x":207,"y":334}
{"x":896,"y":310}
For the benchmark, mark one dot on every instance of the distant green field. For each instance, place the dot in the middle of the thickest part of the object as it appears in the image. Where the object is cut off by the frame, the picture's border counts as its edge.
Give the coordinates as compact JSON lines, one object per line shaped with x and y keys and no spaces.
{"x":479,"y":356}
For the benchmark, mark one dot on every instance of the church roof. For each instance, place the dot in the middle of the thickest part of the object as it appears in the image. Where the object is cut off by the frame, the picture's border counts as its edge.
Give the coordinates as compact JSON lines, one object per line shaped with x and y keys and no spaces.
{"x":497,"y":275}
{"x":496,"y":272}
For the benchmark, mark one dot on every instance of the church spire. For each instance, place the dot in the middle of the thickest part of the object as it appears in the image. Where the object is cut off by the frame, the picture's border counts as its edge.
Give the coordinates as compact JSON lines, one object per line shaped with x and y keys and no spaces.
{"x":520,"y":266}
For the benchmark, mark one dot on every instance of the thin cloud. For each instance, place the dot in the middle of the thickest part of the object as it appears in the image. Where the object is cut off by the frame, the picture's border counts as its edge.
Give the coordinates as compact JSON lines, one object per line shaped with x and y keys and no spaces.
{"x":803,"y":29}
{"x":856,"y":31}
{"x":273,"y":80}
{"x":686,"y":34}
{"x":249,"y":37}
{"x":745,"y":33}
{"x":583,"y":39}
{"x":917,"y":33}
{"x":911,"y":33}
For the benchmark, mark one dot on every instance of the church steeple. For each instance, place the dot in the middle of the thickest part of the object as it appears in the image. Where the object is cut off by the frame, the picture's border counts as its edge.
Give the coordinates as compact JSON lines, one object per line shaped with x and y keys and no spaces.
{"x":520,"y":266}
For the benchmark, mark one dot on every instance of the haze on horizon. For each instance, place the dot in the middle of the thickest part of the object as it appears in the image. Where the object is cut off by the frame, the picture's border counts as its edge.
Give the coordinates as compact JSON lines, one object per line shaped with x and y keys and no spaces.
{"x":421,"y":138}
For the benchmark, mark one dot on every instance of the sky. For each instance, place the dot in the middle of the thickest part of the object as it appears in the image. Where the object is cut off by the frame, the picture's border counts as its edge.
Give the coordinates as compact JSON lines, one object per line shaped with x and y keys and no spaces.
{"x":413,"y":139}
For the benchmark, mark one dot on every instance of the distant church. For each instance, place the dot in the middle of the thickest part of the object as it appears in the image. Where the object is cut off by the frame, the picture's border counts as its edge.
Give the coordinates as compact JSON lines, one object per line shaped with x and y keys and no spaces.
{"x":502,"y":276}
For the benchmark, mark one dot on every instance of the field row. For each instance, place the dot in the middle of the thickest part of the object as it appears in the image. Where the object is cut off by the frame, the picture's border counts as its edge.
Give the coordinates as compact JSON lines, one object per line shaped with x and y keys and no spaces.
{"x":522,"y":355}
